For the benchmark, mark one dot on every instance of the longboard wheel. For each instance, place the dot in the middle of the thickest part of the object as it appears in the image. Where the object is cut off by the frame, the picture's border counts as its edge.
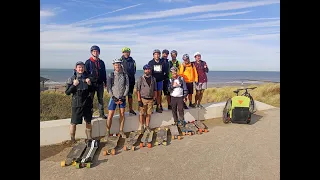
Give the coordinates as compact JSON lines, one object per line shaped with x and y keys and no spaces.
{"x":172,"y":137}
{"x":179,"y":137}
{"x":77,"y":165}
{"x":190,"y":133}
{"x":155,"y":144}
{"x":74,"y":163}
{"x":149,"y":145}
{"x":63,"y":163}
{"x":133,"y":148}
{"x":167,"y":129}
{"x":205,"y":130}
{"x":164,"y":143}
{"x":183,"y":133}
{"x":105,"y":153}
{"x":141,"y":145}
{"x":125,"y":148}
{"x":88,"y":165}
{"x":113,"y":151}
{"x":200,"y":131}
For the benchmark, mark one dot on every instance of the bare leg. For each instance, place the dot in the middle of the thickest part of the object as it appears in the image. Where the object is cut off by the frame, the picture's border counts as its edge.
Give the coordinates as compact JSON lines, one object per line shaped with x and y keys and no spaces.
{"x":73,"y":132}
{"x":109,"y":121}
{"x":197,"y":97}
{"x":130,"y":103}
{"x":88,"y":131}
{"x":121,"y":118}
{"x":200,"y":96}
{"x":148,"y":117}
{"x":190,"y":98}
{"x":159,"y":98}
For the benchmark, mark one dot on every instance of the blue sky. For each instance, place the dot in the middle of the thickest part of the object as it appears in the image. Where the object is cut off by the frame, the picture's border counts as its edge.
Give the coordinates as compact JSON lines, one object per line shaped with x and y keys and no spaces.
{"x":230,"y":35}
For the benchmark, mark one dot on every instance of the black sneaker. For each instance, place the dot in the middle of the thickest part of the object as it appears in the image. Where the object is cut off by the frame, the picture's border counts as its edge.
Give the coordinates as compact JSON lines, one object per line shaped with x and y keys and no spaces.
{"x":192,"y":105}
{"x":132,"y":112}
{"x":169,"y":107}
{"x":103,"y":116}
{"x":161,"y":108}
{"x":158,"y":110}
{"x":185,"y":106}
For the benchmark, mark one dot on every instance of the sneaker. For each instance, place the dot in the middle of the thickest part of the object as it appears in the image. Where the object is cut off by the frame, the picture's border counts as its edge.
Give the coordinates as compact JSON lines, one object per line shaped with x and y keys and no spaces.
{"x":169,"y":107}
{"x":200,"y":106}
{"x":103,"y":116}
{"x":161,"y":108}
{"x":192,"y":105}
{"x":73,"y":141}
{"x":107,"y":135}
{"x":158,"y":110}
{"x":121,"y":133}
{"x":185,"y":106}
{"x":148,"y":129}
{"x":132,"y":112}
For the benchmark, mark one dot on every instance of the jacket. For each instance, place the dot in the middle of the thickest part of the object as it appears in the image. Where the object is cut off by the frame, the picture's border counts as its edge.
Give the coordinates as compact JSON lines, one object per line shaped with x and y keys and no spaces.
{"x":80,"y":93}
{"x":158,"y":69}
{"x":129,"y":66}
{"x":189,"y":73}
{"x":97,"y":71}
{"x":144,"y":89}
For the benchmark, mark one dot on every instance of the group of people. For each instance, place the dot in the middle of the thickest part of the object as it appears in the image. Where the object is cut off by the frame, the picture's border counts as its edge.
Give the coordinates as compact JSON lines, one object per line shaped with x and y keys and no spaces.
{"x":172,"y":78}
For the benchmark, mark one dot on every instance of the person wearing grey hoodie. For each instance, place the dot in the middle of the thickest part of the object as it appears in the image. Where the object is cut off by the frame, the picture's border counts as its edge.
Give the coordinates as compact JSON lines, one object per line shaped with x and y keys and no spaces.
{"x":118,"y":88}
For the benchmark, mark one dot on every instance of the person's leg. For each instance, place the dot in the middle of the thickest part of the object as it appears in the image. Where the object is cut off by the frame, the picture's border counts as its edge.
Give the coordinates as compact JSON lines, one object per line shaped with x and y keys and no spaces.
{"x":111,"y":107}
{"x":76,"y":118}
{"x":169,"y":101}
{"x":190,"y":90}
{"x":141,"y":118}
{"x":159,"y":89}
{"x":73,"y":128}
{"x":197,"y":97}
{"x":100,"y":92}
{"x":122,"y":108}
{"x":174,"y":109}
{"x":87,"y":113}
{"x":180,"y":104}
{"x":148,"y":111}
{"x":203,"y":87}
{"x":131,"y":111}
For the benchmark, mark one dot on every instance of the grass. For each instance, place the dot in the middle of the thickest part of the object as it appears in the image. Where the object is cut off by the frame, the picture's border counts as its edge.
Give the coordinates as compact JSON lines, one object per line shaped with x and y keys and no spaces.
{"x":56,"y":105}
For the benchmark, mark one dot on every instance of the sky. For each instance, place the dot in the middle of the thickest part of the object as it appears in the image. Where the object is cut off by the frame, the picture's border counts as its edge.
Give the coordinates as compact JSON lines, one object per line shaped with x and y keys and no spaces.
{"x":230,"y":35}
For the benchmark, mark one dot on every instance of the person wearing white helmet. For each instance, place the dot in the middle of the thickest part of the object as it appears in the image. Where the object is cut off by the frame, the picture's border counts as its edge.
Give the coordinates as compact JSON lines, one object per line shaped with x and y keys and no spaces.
{"x":118,"y":89}
{"x":201,"y":85}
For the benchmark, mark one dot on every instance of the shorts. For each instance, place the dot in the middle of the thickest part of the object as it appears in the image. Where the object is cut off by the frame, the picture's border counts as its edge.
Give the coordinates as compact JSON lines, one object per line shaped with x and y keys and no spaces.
{"x":112,"y":105}
{"x":201,"y":86}
{"x":131,"y":87}
{"x":190,"y":88}
{"x":159,"y":86}
{"x":147,"y":106}
{"x":165,"y":88}
{"x":78,"y":113}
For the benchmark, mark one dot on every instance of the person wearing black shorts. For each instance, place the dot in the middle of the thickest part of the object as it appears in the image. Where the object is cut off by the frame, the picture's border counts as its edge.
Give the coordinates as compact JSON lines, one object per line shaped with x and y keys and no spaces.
{"x":79,"y":85}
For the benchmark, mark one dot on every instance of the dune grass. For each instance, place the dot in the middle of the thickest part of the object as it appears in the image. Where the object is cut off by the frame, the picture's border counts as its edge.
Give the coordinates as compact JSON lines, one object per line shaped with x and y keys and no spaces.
{"x":57,"y":105}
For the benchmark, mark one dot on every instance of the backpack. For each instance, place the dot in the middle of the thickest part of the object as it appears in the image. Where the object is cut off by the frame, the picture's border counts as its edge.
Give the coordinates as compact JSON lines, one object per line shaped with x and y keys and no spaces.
{"x":171,"y":64}
{"x":192,"y":65}
{"x":112,"y":78}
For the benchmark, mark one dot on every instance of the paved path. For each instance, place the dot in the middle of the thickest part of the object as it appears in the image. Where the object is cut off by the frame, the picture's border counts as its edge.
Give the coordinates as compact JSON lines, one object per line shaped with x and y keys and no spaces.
{"x":228,"y":152}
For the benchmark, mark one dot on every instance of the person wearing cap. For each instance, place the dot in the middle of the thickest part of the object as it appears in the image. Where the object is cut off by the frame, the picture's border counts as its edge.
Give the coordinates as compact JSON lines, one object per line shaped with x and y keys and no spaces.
{"x":201,"y":85}
{"x":129,"y":66}
{"x":118,"y":88}
{"x":190,"y":75}
{"x":178,"y":92}
{"x":172,"y":63}
{"x":146,"y":92}
{"x":166,"y":93}
{"x":96,"y":69}
{"x":80,"y":86}
{"x":158,"y":70}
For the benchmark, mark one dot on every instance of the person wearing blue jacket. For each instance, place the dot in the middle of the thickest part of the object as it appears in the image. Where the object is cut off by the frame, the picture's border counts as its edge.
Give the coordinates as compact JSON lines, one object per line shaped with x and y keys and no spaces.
{"x":96,"y":70}
{"x":129,"y":67}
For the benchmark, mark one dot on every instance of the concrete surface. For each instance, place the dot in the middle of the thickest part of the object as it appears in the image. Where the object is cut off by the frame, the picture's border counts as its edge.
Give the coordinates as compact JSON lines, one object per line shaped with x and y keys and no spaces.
{"x":56,"y":131}
{"x":227,"y":152}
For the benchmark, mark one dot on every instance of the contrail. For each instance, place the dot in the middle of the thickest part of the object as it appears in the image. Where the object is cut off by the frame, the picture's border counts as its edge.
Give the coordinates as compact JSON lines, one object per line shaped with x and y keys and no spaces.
{"x":108,"y":13}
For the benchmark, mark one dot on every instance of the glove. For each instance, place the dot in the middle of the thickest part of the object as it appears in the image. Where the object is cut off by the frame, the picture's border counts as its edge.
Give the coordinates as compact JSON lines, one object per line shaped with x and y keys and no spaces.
{"x":115,"y":99}
{"x":140,"y":103}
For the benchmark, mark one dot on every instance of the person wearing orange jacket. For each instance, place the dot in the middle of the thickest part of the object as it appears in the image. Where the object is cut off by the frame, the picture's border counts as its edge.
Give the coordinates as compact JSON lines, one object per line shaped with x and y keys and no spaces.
{"x":189,"y":73}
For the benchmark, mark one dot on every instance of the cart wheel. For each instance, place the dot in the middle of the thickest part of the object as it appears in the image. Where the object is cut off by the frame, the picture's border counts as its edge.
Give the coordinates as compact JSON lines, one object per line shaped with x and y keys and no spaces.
{"x":77,"y":165}
{"x":133,"y":148}
{"x":141,"y":145}
{"x":63,"y":163}
{"x":125,"y":148}
{"x":105,"y":152}
{"x":172,"y":137}
{"x":88,"y":165}
{"x":113,"y":151}
{"x":149,"y":145}
{"x":179,"y":137}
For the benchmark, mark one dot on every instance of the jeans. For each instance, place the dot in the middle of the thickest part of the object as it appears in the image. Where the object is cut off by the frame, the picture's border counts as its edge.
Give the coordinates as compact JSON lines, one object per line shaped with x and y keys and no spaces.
{"x":99,"y":88}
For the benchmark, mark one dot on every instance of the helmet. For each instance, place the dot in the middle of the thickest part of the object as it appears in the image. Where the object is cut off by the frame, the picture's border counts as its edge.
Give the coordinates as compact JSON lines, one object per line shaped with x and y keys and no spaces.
{"x":116,"y":61}
{"x":156,"y":51}
{"x":94,"y":47}
{"x":196,"y":54}
{"x":174,"y":51}
{"x":79,"y":63}
{"x":174,"y":69}
{"x":185,"y":56}
{"x":165,"y":51}
{"x":126,"y":49}
{"x":147,"y":66}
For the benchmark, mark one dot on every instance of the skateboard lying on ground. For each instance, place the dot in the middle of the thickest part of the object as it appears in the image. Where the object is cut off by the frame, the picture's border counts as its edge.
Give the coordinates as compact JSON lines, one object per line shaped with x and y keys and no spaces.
{"x":87,"y":157}
{"x":189,"y":129}
{"x":174,"y":132}
{"x":131,"y":140}
{"x":111,"y":144}
{"x":75,"y":154}
{"x":146,"y":139}
{"x":162,"y":136}
{"x":201,"y":127}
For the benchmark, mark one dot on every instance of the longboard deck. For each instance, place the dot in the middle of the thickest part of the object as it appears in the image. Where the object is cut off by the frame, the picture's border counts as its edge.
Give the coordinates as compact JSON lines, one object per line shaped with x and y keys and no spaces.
{"x":87,"y":157}
{"x":111,"y":144}
{"x":75,"y":154}
{"x":146,"y":139}
{"x":186,"y":131}
{"x":192,"y":127}
{"x":201,"y":126}
{"x":174,"y":132}
{"x":131,"y":140}
{"x":162,"y":136}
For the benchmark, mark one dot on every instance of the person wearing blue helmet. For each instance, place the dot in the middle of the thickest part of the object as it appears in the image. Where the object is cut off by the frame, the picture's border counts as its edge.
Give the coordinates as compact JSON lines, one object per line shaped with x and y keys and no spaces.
{"x":146,"y":93}
{"x":96,"y":69}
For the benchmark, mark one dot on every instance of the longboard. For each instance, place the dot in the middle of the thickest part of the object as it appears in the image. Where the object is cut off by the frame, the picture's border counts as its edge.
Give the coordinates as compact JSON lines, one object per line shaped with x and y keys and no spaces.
{"x":193,"y":128}
{"x":174,"y":132}
{"x":162,"y":136}
{"x":130,"y":141}
{"x":75,"y":154}
{"x":146,"y":139}
{"x":200,"y":126}
{"x":111,"y":144}
{"x":87,"y":157}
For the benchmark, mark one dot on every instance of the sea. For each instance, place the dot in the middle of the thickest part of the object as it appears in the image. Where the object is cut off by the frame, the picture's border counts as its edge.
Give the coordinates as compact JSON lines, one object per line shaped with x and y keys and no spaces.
{"x":215,"y":78}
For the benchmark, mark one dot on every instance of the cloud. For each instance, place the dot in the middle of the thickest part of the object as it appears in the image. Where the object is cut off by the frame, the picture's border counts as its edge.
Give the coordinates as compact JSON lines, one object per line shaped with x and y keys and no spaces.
{"x":218,"y":15}
{"x":170,"y":1}
{"x":184,"y":11}
{"x":238,"y":19}
{"x":44,"y":13}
